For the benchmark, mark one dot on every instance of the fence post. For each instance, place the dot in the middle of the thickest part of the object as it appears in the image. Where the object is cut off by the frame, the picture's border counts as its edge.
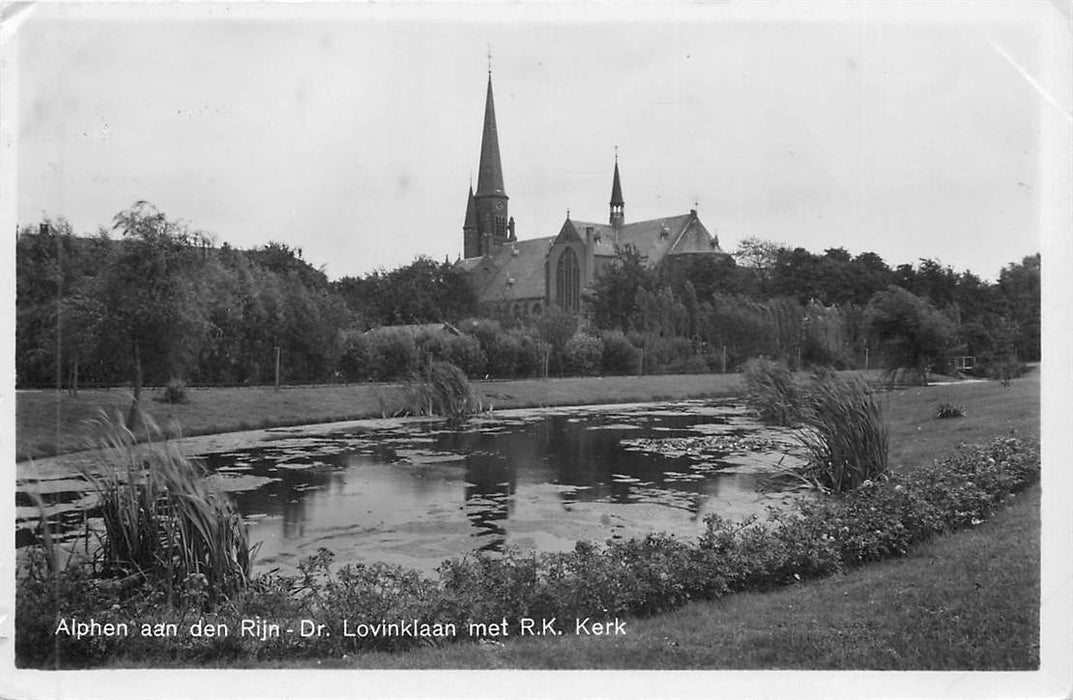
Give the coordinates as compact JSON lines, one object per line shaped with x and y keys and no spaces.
{"x":277,"y":367}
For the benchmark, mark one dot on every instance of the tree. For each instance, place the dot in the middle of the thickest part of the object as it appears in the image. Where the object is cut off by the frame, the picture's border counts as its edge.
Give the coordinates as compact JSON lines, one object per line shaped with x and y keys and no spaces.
{"x":709,"y":274}
{"x":555,"y":327}
{"x":935,"y":282}
{"x":795,"y":273}
{"x":612,"y":298}
{"x":1020,"y":287}
{"x":147,"y":296}
{"x":80,"y":318}
{"x":424,"y":291}
{"x":913,"y":334}
{"x":758,"y":256}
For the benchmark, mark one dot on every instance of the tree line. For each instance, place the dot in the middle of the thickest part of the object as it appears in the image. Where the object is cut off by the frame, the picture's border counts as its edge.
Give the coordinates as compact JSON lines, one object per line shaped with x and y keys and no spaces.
{"x":151,"y":299}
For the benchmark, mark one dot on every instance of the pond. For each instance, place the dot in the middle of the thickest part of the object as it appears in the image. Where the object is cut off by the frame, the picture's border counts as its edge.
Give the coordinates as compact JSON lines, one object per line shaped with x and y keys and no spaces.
{"x":414,"y":492}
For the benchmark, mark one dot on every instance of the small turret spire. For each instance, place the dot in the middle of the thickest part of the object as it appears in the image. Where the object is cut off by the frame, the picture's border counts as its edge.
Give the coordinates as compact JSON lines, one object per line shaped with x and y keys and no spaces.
{"x":471,"y":212}
{"x":618,"y":206}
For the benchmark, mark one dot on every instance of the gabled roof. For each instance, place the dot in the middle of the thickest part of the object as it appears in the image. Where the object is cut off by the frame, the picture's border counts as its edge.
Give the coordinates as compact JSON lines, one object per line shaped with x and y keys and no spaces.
{"x":469,"y":264}
{"x":512,"y":271}
{"x":580,"y":229}
{"x":695,"y":238}
{"x":683,"y":234}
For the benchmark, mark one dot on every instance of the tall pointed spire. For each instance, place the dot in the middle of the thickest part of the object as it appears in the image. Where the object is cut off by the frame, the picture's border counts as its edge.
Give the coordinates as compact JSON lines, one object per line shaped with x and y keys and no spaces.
{"x":471,"y":212}
{"x":618,"y":206}
{"x":490,"y":172}
{"x":616,"y":188}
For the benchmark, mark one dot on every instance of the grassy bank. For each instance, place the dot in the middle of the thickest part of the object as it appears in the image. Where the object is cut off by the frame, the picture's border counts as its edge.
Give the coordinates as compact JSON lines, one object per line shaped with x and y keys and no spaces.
{"x":54,"y":423}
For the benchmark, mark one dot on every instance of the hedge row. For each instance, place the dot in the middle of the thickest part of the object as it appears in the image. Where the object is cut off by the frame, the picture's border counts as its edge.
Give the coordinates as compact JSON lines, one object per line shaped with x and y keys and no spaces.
{"x":643,"y":576}
{"x":487,"y":349}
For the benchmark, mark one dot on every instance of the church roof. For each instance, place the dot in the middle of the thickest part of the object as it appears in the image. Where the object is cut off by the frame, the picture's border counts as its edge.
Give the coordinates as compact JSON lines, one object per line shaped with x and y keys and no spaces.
{"x":512,"y":271}
{"x":684,"y":234}
{"x":490,"y":171}
{"x":469,"y":264}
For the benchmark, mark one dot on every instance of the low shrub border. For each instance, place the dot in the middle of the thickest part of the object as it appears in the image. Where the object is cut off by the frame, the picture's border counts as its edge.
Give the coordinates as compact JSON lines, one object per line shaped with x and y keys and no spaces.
{"x":817,"y":537}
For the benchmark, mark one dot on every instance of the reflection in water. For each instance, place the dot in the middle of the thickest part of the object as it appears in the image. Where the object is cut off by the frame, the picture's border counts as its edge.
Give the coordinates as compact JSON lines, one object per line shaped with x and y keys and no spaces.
{"x":420,"y":492}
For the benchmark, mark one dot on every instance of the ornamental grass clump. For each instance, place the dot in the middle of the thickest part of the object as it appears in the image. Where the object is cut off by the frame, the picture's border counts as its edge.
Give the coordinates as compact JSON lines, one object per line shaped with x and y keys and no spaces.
{"x":949,"y":409}
{"x":164,"y":521}
{"x":442,"y":389}
{"x":844,"y":432}
{"x":771,"y":391}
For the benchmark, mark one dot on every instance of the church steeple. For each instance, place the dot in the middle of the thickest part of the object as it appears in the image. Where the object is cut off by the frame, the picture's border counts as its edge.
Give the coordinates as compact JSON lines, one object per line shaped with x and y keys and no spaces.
{"x":618,"y":207}
{"x":490,"y":173}
{"x":492,"y":223}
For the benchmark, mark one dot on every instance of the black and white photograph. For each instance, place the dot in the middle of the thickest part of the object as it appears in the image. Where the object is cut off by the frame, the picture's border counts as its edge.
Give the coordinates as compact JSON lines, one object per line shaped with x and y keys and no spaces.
{"x":355,"y":345}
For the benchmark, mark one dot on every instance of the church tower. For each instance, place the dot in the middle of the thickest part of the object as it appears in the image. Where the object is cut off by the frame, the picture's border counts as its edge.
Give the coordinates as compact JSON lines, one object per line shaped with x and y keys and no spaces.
{"x":618,"y":207}
{"x":492,"y":223}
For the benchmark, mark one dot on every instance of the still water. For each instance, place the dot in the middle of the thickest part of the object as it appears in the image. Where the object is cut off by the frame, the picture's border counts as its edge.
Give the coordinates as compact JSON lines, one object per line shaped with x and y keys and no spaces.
{"x":416,"y":492}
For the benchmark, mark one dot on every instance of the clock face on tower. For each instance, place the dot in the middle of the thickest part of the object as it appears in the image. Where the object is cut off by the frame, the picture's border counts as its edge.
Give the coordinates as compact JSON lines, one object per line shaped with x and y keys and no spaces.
{"x":499,"y":205}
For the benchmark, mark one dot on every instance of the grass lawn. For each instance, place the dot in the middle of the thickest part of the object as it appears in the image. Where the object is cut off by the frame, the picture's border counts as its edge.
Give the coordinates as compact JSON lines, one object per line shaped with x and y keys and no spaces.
{"x":991,"y":410}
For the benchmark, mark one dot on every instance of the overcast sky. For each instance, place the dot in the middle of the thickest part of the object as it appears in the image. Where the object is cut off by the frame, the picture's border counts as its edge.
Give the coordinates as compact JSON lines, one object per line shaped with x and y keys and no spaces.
{"x":352,"y":133}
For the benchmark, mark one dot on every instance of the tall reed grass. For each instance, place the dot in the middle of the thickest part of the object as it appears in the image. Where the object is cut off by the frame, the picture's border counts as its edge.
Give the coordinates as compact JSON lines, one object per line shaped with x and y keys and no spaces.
{"x":441,"y":390}
{"x":844,"y":431}
{"x":164,"y":521}
{"x":771,"y":391}
{"x":840,"y":423}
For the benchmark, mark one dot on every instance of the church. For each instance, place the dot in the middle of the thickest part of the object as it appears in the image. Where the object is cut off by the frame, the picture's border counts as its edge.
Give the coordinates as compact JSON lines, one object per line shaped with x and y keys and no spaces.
{"x":522,"y":277}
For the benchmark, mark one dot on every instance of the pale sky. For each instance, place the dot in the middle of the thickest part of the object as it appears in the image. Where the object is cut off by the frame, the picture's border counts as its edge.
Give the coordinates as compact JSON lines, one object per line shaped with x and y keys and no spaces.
{"x":352,"y":132}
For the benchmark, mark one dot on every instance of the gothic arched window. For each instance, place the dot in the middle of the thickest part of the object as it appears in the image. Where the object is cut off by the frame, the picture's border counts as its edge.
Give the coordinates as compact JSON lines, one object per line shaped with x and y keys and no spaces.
{"x":568,"y":281}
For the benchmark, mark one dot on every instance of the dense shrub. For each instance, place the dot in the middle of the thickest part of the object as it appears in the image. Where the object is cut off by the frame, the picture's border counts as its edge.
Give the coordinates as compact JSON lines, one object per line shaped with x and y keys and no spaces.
{"x":620,"y":356}
{"x":513,"y":354}
{"x":465,"y":352}
{"x":664,"y":353}
{"x":355,"y":359}
{"x":583,"y":353}
{"x":1002,"y":368}
{"x":174,"y":392}
{"x":881,"y":518}
{"x":392,"y":353}
{"x":507,"y":353}
{"x":885,"y":517}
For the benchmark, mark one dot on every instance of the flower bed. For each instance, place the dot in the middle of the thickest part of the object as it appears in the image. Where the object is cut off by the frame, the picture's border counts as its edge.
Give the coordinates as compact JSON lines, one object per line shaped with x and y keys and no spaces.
{"x":880,"y":519}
